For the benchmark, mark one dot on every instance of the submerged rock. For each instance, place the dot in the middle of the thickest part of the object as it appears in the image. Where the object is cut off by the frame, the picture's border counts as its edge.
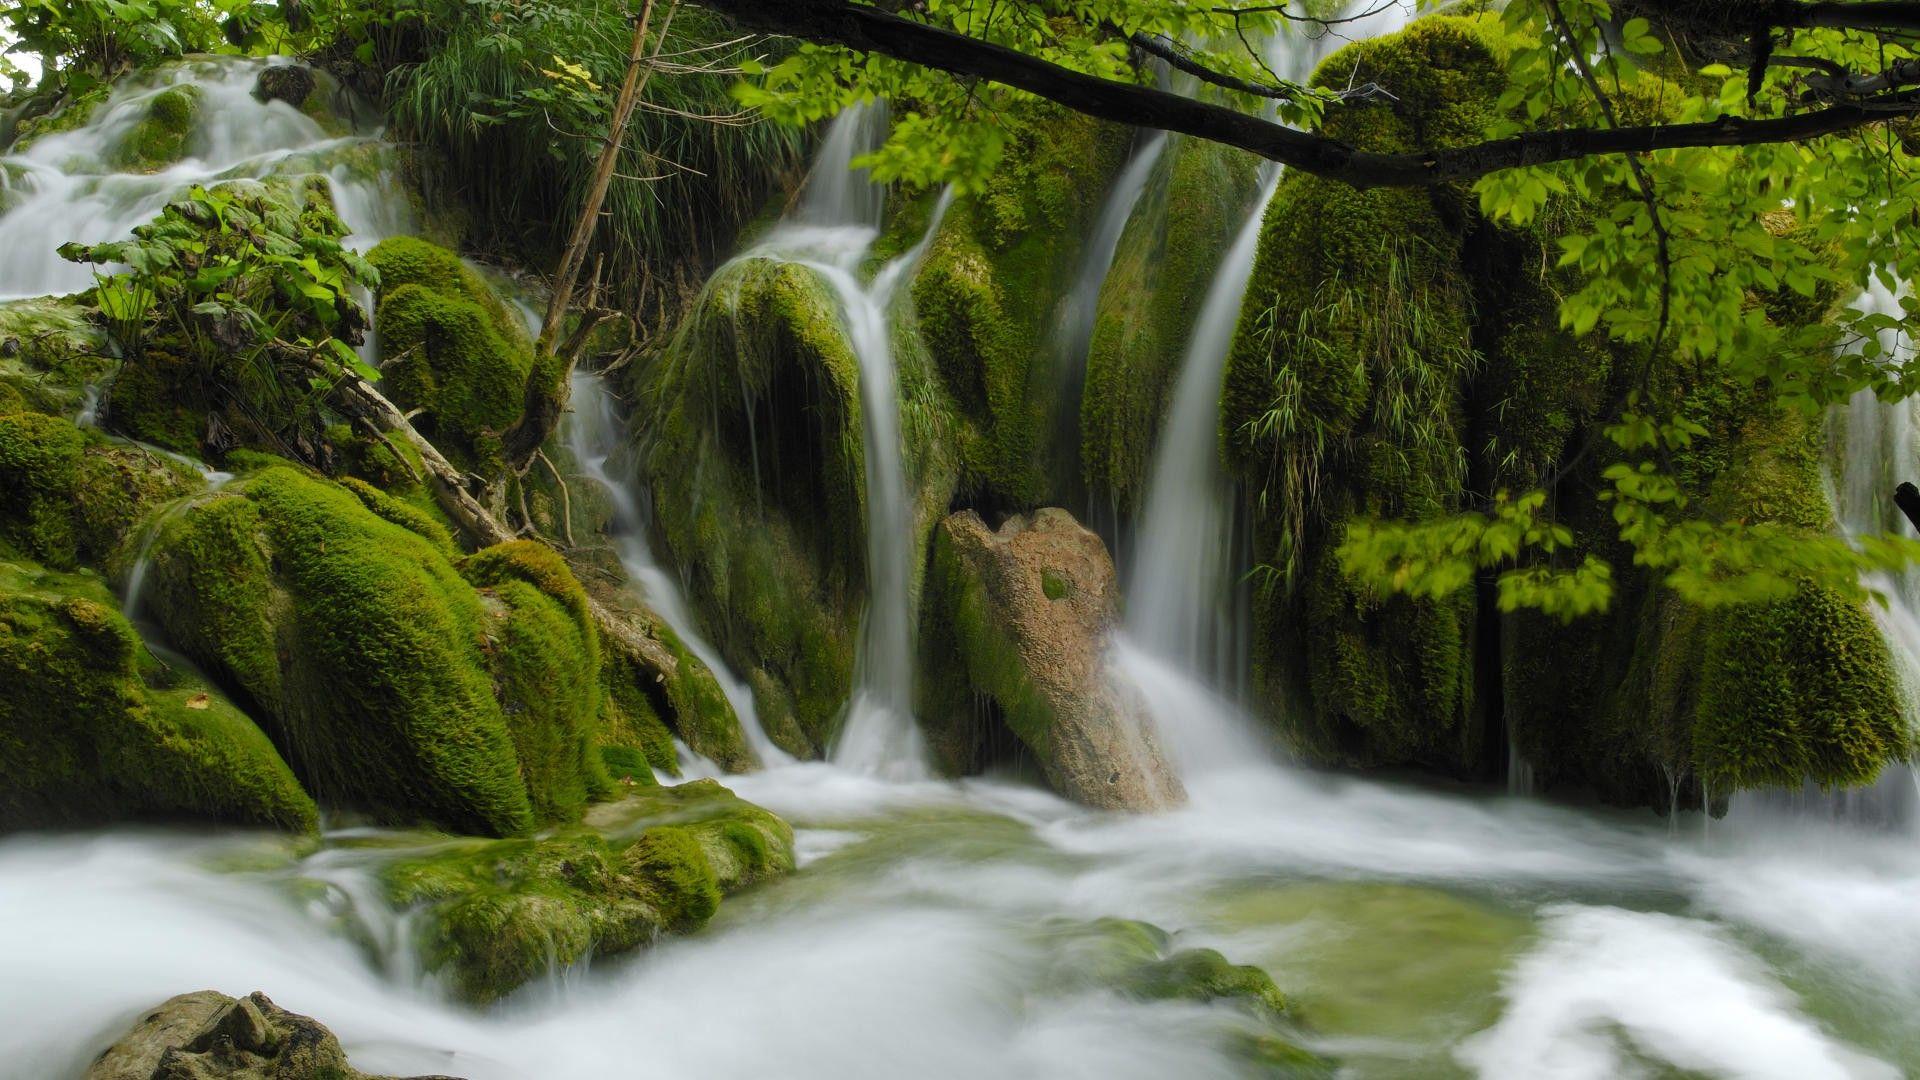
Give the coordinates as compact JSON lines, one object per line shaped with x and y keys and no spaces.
{"x":499,"y":913}
{"x":1026,"y":613}
{"x":207,"y":1035}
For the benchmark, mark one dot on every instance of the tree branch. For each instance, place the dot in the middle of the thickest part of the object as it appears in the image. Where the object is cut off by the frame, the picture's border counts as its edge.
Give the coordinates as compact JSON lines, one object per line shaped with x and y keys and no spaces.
{"x":868,"y":29}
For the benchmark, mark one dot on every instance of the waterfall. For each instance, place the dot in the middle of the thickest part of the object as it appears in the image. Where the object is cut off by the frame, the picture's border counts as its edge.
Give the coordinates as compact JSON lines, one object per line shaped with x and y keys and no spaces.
{"x":831,"y":232}
{"x":65,"y":187}
{"x":596,"y":435}
{"x":1184,"y":611}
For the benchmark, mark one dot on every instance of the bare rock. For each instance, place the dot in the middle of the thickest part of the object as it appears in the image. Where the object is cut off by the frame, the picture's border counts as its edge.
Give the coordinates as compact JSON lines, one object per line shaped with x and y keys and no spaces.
{"x":1020,"y":619}
{"x":290,"y":83}
{"x":207,"y":1035}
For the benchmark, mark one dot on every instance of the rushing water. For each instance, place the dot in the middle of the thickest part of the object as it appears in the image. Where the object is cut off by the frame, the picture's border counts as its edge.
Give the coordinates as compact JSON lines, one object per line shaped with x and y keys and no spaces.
{"x":940,"y":929}
{"x":596,"y":434}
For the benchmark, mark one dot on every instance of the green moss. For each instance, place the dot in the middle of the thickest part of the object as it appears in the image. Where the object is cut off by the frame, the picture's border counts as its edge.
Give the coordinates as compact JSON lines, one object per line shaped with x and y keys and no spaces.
{"x":450,"y":348}
{"x":376,"y":661}
{"x":402,"y":513}
{"x":51,"y":352}
{"x":85,"y":738}
{"x":500,"y":913}
{"x":159,"y":139}
{"x":67,"y":496}
{"x":1161,"y":270}
{"x":1204,"y":975}
{"x":988,"y":285}
{"x":67,"y":114}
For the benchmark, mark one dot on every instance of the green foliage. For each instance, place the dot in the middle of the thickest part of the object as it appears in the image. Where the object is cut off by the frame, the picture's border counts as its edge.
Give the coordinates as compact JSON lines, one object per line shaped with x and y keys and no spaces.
{"x":234,"y":296}
{"x":92,"y":729}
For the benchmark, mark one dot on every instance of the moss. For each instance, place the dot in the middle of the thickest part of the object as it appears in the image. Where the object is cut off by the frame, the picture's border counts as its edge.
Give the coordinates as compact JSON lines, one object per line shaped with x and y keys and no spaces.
{"x":51,"y":352}
{"x":67,"y":114}
{"x":1345,"y":396}
{"x":375,"y":661}
{"x":86,"y":737}
{"x":1160,"y":275}
{"x":986,"y":292}
{"x":159,"y":396}
{"x":500,"y":913}
{"x":450,"y":348}
{"x":68,"y":497}
{"x":160,"y":137}
{"x":402,"y":513}
{"x":1204,"y":975}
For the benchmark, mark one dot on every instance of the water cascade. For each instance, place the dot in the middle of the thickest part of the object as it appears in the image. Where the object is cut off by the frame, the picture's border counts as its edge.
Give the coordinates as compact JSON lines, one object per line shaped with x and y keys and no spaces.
{"x":596,"y":435}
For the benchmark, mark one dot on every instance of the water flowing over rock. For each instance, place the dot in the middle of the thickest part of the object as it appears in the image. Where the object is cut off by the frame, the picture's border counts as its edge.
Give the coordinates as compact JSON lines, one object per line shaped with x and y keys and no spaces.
{"x":207,"y":1035}
{"x":1022,"y":617}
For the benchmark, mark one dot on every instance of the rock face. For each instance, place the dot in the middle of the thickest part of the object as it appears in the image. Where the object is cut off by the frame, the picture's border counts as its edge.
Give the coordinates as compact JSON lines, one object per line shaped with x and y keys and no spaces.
{"x":1026,"y":611}
{"x":207,"y":1035}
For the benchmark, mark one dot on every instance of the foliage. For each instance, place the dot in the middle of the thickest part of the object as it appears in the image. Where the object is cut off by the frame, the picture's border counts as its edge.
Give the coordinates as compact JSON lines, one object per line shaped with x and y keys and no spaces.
{"x":241,"y":287}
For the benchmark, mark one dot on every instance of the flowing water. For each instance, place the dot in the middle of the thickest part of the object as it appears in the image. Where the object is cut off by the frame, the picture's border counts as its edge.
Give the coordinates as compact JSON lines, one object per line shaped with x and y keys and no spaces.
{"x":952,"y":929}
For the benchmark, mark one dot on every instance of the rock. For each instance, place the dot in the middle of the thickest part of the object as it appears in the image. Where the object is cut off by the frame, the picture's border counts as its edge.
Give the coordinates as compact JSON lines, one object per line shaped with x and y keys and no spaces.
{"x":207,"y":1035}
{"x":291,"y":83}
{"x":1028,"y":611}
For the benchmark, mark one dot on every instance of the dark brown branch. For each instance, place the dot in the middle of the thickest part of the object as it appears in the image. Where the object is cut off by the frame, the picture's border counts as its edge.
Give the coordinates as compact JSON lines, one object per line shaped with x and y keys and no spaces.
{"x":868,"y":29}
{"x":1180,"y":60}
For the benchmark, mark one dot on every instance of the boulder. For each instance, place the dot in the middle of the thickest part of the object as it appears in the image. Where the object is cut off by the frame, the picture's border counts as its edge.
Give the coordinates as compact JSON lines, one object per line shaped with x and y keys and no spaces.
{"x":1027,"y":612}
{"x":207,"y":1035}
{"x":291,"y":83}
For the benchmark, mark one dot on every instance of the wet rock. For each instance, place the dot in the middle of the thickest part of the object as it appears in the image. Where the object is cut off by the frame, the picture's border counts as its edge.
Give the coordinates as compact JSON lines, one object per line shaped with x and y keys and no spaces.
{"x":1027,"y":611}
{"x":290,"y":83}
{"x":207,"y":1035}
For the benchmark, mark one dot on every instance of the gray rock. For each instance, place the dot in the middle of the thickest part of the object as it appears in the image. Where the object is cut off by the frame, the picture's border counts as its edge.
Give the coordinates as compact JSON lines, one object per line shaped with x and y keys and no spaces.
{"x":207,"y":1035}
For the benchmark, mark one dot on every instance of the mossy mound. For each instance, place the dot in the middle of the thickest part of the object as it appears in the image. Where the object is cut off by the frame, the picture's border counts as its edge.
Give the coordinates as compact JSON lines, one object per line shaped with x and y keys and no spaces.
{"x":51,"y":352}
{"x":1345,"y":396}
{"x":987,"y":291}
{"x":499,"y":913}
{"x":1161,"y":271}
{"x":59,"y":113}
{"x":69,"y":497}
{"x":160,"y":137}
{"x":450,"y":348}
{"x":94,"y":730}
{"x":663,"y":692}
{"x":757,"y":468}
{"x":375,"y":665}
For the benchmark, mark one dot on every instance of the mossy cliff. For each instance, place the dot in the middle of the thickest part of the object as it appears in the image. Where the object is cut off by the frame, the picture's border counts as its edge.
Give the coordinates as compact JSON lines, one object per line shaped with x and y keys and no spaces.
{"x":755,"y":458}
{"x":391,"y":683}
{"x":93,"y":729}
{"x":989,"y":287}
{"x":450,"y":348}
{"x":499,"y":913}
{"x":1173,"y":243}
{"x":1344,"y":396}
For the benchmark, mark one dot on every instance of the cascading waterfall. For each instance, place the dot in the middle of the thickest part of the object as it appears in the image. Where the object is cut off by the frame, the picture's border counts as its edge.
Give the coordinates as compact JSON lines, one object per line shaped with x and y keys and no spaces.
{"x":596,"y":435}
{"x":64,"y":186}
{"x":831,"y":232}
{"x":1183,"y":645}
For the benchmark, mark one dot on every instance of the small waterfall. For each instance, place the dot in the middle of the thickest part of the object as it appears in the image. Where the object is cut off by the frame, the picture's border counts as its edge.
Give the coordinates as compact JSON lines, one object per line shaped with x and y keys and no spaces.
{"x":596,"y":436}
{"x":1184,"y":610}
{"x":65,"y":186}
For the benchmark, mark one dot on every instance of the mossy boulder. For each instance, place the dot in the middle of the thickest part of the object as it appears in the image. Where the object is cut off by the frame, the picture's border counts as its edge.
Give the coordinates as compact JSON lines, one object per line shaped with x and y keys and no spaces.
{"x":161,"y":135}
{"x":1199,"y":194}
{"x":392,"y":684}
{"x":94,"y":730}
{"x":69,"y":496}
{"x":52,"y":352}
{"x":755,"y":457}
{"x":450,"y":348}
{"x":500,"y":913}
{"x":657,"y":689}
{"x":1021,"y":618}
{"x":207,"y":1035}
{"x":988,"y":287}
{"x":1345,"y":395}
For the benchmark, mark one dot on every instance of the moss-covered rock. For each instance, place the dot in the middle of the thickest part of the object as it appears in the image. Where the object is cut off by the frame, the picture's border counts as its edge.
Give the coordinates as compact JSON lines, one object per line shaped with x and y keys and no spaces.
{"x":1345,"y":395}
{"x":210,"y":1036}
{"x":660,"y":689}
{"x":499,"y":913}
{"x":160,"y":137}
{"x":450,"y":348}
{"x":94,"y":730}
{"x":51,"y":353}
{"x":988,"y":286}
{"x":390,"y":682}
{"x":756,"y":463}
{"x":1161,"y":271}
{"x":69,"y":496}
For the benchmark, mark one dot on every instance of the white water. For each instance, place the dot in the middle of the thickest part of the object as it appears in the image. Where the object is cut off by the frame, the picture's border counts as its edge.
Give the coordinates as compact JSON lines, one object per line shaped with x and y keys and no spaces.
{"x":596,"y":434}
{"x":64,"y":190}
